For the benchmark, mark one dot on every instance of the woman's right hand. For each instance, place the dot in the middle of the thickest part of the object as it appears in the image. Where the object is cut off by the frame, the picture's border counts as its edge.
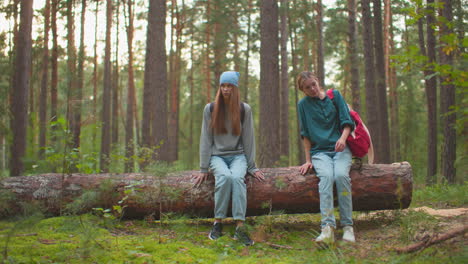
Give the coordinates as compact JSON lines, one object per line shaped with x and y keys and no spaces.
{"x":199,"y":178}
{"x":306,"y":167}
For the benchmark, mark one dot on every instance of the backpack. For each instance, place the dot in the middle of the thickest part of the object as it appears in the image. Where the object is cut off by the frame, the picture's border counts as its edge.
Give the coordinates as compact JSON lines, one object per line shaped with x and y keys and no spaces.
{"x":242,"y":111}
{"x":359,"y":141}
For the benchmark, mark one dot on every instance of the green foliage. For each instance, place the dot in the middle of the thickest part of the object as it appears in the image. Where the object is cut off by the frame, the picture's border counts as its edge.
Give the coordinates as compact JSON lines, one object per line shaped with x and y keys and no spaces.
{"x":441,"y":195}
{"x":60,"y":157}
{"x":7,"y":199}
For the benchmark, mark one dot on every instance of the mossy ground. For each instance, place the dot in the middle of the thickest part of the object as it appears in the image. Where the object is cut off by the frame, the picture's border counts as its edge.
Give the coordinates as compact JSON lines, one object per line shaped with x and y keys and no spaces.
{"x":279,"y":239}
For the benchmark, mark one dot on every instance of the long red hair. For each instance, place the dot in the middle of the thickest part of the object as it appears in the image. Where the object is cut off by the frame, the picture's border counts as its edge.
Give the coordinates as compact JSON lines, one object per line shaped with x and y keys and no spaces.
{"x":220,"y":109}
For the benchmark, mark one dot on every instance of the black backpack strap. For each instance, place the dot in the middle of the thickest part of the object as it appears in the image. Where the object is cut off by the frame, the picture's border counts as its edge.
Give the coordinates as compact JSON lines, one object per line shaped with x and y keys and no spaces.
{"x":211,"y":107}
{"x":242,"y":110}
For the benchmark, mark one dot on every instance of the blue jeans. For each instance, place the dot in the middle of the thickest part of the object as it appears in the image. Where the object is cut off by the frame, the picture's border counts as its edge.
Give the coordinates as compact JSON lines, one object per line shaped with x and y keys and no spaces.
{"x":229,"y":172}
{"x":333,"y":167}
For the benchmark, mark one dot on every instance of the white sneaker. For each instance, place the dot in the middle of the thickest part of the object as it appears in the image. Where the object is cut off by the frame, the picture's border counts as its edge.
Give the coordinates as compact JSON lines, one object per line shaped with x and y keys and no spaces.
{"x":348,"y":234}
{"x":326,"y":236}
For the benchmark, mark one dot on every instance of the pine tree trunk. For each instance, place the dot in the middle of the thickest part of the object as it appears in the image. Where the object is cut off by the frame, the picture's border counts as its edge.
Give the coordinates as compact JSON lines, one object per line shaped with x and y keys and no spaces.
{"x":130,"y":122}
{"x":21,"y":82}
{"x":235,"y":36}
{"x":460,"y":25}
{"x":431,"y":94}
{"x":390,"y":77}
{"x":116,"y":82}
{"x":156,"y":83}
{"x":175,"y":84}
{"x":80,"y":74}
{"x":320,"y":59}
{"x":353,"y":56}
{"x":218,"y":48}
{"x":106,"y":95}
{"x":284,"y":99}
{"x":207,"y":65}
{"x":193,"y":151}
{"x":95,"y":79}
{"x":382,"y":145}
{"x":447,"y":93}
{"x":247,"y":50}
{"x":306,"y":57}
{"x":295,"y":72}
{"x":371,"y":92}
{"x":268,"y":153}
{"x":44,"y":83}
{"x":72,"y":93}
{"x":54,"y":66}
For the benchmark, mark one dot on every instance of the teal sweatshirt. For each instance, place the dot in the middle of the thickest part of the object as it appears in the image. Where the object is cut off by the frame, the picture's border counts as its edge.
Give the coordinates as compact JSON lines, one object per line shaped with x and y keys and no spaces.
{"x":227,"y":144}
{"x":321,"y":123}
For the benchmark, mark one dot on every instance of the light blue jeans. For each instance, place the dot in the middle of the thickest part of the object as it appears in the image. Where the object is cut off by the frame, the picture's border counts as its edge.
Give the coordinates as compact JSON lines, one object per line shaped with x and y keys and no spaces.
{"x":229,"y":172}
{"x":333,"y":167}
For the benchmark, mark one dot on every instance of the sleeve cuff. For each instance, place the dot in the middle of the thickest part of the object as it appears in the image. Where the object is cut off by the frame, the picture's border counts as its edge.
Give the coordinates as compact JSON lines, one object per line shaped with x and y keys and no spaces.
{"x":350,"y":124}
{"x":203,"y":170}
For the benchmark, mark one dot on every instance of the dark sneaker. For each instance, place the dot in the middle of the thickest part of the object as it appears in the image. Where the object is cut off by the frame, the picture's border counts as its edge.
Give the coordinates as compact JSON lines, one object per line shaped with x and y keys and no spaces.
{"x":216,"y":231}
{"x":242,"y":235}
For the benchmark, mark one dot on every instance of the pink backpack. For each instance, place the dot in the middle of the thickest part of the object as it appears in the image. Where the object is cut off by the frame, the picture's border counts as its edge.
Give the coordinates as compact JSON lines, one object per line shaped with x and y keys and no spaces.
{"x":359,"y":141}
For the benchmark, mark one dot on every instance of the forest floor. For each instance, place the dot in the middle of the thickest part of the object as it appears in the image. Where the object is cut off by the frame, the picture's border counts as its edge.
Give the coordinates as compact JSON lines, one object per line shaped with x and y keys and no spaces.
{"x":279,"y":238}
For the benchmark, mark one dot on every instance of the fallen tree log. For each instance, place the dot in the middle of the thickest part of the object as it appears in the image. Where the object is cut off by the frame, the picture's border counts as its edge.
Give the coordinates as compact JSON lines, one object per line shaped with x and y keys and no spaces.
{"x":374,"y":187}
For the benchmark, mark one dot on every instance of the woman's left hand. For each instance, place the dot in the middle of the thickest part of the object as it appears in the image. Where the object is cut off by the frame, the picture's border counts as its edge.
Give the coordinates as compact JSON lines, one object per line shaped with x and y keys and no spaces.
{"x":340,"y":144}
{"x":259,"y":175}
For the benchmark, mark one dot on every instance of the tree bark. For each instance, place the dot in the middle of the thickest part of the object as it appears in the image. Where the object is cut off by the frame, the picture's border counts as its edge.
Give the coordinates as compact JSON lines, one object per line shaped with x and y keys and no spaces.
{"x":284,"y":92}
{"x":80,"y":75}
{"x":44,"y":83}
{"x":175,"y":76}
{"x":431,"y":90}
{"x":116,"y":82}
{"x":447,"y":94}
{"x":95,"y":77}
{"x":247,"y":50}
{"x":73,"y":103}
{"x":207,"y":66}
{"x":382,"y":145}
{"x":371,"y":91}
{"x":154,"y":121}
{"x":220,"y":36}
{"x":431,"y":93}
{"x":374,"y":187}
{"x":269,"y":84}
{"x":130,"y":121}
{"x":21,"y":82}
{"x":353,"y":56}
{"x":106,"y":100}
{"x":54,"y":65}
{"x":390,"y":77}
{"x":295,"y":66}
{"x":320,"y":49}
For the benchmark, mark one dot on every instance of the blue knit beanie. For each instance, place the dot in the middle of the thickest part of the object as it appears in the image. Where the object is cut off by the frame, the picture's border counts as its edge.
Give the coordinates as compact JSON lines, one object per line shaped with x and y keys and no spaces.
{"x":231,"y":77}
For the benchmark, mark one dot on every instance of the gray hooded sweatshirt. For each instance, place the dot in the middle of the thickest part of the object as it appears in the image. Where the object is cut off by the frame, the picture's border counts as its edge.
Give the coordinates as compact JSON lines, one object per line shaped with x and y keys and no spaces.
{"x":227,"y":144}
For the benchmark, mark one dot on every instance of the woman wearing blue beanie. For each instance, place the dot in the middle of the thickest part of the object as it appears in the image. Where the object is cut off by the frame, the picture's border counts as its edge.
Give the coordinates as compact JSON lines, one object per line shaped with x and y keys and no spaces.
{"x":227,"y":149}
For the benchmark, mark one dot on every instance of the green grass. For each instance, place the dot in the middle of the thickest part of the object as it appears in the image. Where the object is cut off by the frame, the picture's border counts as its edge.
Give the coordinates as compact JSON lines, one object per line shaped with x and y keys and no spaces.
{"x":441,"y":195}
